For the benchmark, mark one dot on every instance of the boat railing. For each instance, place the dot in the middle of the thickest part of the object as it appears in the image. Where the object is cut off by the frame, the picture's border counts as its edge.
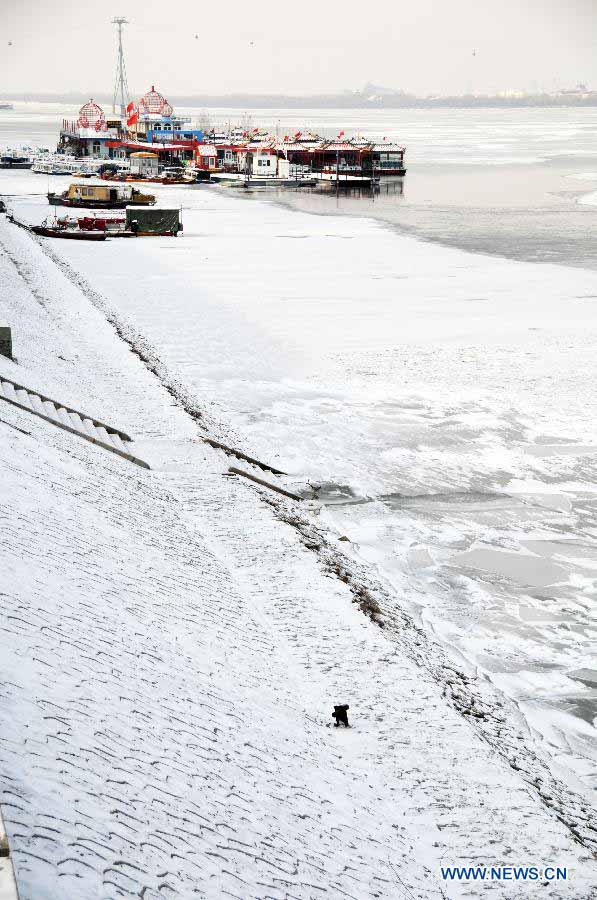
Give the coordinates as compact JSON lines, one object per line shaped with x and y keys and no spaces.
{"x":389,"y":163}
{"x":332,"y":169}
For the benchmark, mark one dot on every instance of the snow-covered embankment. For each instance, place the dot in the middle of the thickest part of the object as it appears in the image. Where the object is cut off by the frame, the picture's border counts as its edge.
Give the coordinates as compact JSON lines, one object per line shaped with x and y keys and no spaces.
{"x":171,"y":653}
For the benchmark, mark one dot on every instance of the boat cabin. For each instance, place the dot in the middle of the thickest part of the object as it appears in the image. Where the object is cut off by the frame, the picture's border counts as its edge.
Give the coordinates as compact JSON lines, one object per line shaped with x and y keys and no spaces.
{"x":102,"y":192}
{"x":144,"y":164}
{"x":385,"y":159}
{"x":262,"y":160}
{"x":206,"y":157}
{"x":102,"y":196}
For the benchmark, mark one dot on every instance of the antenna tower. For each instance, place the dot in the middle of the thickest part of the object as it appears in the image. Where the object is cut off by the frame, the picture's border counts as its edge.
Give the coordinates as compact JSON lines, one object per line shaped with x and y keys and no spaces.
{"x":121,"y":88}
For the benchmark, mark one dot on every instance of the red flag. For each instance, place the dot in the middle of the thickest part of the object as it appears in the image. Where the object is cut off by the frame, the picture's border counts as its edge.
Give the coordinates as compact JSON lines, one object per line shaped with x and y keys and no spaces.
{"x":130,"y":108}
{"x":341,"y":134}
{"x":133,"y":119}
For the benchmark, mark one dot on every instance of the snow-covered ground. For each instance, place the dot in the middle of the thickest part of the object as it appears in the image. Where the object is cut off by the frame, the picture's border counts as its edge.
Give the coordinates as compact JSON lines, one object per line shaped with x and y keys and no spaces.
{"x":170,"y":666}
{"x":589,"y":199}
{"x":444,"y":400}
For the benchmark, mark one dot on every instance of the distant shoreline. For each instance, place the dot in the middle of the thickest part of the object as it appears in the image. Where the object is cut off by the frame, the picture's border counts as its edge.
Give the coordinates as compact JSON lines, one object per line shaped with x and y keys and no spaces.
{"x":335,"y":101}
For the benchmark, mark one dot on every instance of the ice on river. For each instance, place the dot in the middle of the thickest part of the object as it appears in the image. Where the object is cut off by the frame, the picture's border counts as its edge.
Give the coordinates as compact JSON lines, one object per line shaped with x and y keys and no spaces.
{"x":443,"y":402}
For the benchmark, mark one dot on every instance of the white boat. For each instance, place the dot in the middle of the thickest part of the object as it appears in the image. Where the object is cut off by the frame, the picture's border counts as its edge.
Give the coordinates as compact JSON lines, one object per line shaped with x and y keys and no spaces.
{"x":16,"y":158}
{"x":242,"y":179}
{"x":88,"y":167}
{"x":54,"y":164}
{"x":62,"y":164}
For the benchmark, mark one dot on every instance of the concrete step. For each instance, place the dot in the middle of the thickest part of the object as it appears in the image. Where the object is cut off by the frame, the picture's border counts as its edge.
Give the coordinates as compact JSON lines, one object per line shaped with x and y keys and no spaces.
{"x":69,"y":419}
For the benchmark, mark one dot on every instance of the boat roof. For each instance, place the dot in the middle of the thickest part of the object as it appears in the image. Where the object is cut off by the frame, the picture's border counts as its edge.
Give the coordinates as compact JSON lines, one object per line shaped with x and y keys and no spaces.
{"x":339,"y":145}
{"x":264,"y":148}
{"x":154,"y":146}
{"x":207,"y":150}
{"x":387,"y":148}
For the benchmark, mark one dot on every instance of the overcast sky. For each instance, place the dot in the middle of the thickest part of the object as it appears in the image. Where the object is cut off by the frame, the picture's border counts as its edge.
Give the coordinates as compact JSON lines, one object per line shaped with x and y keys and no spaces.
{"x":190,"y":46}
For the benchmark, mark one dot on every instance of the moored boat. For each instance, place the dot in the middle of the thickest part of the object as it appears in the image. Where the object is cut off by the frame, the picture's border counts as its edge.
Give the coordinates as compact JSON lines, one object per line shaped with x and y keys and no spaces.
{"x":174,"y":175}
{"x":156,"y":222}
{"x":64,"y":230}
{"x":16,"y":159}
{"x":101,"y":196}
{"x":100,"y":223}
{"x":54,"y":164}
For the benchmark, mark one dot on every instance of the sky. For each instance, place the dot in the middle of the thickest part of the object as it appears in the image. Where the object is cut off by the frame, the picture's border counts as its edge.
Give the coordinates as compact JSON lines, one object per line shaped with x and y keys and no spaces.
{"x":190,"y":47}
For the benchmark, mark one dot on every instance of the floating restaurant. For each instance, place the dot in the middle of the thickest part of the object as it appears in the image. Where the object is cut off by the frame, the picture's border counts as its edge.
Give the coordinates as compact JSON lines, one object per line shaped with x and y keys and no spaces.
{"x":90,"y":133}
{"x":151,"y":121}
{"x":152,"y":138}
{"x":312,"y":157}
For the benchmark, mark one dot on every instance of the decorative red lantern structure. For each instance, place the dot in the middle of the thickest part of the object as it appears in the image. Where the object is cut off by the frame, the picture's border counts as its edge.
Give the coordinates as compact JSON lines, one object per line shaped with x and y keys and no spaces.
{"x":92,"y":116}
{"x":154,"y":104}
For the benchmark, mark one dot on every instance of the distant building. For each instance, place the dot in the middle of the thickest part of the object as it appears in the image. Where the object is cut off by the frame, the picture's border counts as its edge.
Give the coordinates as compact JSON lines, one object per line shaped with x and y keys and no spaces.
{"x":580,"y":91}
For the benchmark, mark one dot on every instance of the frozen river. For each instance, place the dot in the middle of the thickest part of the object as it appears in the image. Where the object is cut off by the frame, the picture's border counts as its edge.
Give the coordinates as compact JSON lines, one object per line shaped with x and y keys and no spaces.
{"x":440,"y":402}
{"x":507,"y":182}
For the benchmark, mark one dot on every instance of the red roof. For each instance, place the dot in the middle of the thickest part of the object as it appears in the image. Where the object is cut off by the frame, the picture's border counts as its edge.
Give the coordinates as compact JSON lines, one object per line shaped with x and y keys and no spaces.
{"x":153,"y":147}
{"x":387,"y":148}
{"x":342,"y":145}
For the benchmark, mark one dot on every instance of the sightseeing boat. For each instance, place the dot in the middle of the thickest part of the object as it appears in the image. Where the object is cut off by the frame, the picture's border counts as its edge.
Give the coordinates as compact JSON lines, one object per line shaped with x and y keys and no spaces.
{"x":65,"y":164}
{"x":55,"y":164}
{"x":101,"y":196}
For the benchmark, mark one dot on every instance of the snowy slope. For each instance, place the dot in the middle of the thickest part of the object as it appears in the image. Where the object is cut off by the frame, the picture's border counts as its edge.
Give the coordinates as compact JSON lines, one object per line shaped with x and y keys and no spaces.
{"x":171,"y":654}
{"x":444,"y":401}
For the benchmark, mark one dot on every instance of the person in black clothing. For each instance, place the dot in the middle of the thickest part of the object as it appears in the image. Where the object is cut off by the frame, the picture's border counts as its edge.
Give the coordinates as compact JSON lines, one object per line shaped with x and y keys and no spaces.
{"x":340,"y":714}
{"x":135,"y":227}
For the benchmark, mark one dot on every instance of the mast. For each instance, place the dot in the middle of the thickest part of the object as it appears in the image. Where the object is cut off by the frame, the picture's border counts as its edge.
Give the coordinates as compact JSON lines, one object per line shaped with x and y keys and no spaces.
{"x":121,"y":88}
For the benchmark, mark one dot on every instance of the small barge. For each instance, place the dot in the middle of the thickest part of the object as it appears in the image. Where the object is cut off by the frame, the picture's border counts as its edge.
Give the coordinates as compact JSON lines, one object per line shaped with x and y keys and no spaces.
{"x":100,"y":196}
{"x":61,"y":231}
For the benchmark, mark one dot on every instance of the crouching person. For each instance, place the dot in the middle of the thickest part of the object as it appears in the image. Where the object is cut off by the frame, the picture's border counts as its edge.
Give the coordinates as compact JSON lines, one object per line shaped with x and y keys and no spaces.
{"x":340,"y":714}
